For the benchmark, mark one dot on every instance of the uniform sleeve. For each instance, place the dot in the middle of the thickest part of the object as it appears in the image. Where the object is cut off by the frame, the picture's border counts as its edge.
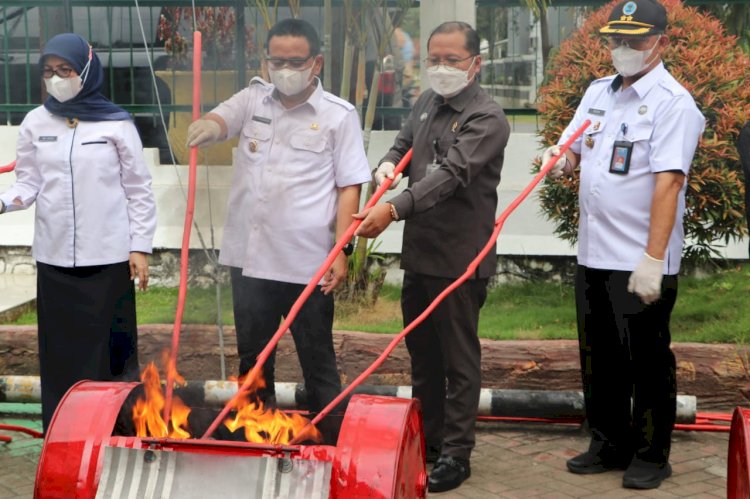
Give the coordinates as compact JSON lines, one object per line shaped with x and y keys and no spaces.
{"x":405,"y":137}
{"x":234,"y":110}
{"x":481,"y":139}
{"x":675,"y":135}
{"x":349,"y":158}
{"x":136,"y":182}
{"x":24,"y":191}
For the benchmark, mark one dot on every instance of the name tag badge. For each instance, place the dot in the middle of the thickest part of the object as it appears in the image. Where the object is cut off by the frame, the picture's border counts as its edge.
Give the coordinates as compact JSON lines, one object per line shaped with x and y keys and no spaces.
{"x":596,"y":112}
{"x":261,"y":119}
{"x":48,"y":138}
{"x":620,"y":162}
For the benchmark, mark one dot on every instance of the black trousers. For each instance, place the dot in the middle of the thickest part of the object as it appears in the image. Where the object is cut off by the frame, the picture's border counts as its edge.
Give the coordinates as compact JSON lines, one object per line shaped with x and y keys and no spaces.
{"x":87,"y":328}
{"x":626,"y":359}
{"x":259,"y":306}
{"x":445,"y":359}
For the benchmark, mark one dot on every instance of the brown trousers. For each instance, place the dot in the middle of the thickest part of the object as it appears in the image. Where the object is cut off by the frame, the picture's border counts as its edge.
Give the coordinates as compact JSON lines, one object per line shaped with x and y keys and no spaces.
{"x":445,"y":359}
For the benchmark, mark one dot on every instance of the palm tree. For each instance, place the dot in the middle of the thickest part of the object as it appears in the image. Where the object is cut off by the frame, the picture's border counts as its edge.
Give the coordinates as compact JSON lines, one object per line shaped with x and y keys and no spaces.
{"x":539,"y":9}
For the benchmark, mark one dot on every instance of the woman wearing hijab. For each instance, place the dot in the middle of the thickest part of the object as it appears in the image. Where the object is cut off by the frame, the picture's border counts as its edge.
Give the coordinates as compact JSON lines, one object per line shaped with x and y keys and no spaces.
{"x":80,"y":159}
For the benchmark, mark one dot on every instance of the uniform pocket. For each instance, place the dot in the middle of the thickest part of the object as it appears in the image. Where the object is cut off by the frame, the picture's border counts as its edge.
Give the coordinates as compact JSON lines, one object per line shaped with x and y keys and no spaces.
{"x":256,"y":140}
{"x":308,"y":142}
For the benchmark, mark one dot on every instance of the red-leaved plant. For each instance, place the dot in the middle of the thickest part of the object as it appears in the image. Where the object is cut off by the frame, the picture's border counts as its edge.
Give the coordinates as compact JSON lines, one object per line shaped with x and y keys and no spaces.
{"x":709,"y":64}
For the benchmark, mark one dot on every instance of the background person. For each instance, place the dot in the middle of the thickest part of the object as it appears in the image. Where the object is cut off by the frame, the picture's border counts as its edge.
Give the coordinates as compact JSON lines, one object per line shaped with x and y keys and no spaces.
{"x":630,"y":238}
{"x":80,"y":159}
{"x":300,"y":163}
{"x":458,"y":134}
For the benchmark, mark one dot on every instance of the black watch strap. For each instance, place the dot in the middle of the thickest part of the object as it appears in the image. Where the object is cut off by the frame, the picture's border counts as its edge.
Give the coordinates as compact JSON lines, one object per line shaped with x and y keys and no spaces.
{"x":348,"y":249}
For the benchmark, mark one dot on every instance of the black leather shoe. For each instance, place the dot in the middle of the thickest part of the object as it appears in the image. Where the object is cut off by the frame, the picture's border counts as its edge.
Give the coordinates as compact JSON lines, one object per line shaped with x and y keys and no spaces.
{"x":432,"y":453}
{"x":644,"y":475}
{"x":449,"y":472}
{"x":592,"y":462}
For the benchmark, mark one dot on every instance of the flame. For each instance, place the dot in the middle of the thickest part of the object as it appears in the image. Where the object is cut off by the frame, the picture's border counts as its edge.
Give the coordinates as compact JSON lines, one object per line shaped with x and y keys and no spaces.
{"x":260,"y":424}
{"x":147,"y":413}
{"x":271,"y":426}
{"x":266,"y":425}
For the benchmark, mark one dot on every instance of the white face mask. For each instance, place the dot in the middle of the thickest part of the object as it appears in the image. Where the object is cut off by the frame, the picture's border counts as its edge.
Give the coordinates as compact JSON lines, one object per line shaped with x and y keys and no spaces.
{"x":630,"y":62}
{"x":290,"y":82}
{"x":447,"y":80}
{"x":63,"y":89}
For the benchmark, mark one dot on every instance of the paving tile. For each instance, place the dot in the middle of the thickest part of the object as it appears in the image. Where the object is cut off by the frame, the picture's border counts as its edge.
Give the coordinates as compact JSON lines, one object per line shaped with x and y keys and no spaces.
{"x":510,"y":462}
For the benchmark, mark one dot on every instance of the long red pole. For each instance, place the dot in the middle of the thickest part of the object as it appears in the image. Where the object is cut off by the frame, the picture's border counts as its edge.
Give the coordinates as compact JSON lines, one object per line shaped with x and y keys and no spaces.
{"x":8,"y":168}
{"x":471,"y":269}
{"x":185,"y":250}
{"x":254,"y":373}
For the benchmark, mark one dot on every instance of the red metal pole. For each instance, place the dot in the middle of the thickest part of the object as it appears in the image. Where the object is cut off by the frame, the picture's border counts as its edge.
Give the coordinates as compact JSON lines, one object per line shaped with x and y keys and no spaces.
{"x":185,"y":250}
{"x":471,"y":269}
{"x":8,"y":168}
{"x":252,"y":376}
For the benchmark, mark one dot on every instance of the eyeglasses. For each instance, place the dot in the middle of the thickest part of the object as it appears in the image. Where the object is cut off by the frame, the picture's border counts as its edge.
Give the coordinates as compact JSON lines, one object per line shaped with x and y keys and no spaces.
{"x":293,"y":63}
{"x":448,"y":61}
{"x":61,"y":71}
{"x":634,"y":42}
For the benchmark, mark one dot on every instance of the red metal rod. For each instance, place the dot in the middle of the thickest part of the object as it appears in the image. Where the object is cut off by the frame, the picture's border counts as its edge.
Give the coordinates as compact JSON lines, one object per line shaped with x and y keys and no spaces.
{"x":22,"y":429}
{"x":8,"y":168}
{"x":702,"y":427}
{"x":471,"y":269}
{"x":185,"y":250}
{"x":254,"y":373}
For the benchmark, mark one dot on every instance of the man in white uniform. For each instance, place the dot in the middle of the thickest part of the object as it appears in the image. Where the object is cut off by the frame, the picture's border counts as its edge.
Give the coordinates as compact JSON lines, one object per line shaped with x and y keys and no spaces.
{"x":299,"y":167}
{"x":634,"y":159}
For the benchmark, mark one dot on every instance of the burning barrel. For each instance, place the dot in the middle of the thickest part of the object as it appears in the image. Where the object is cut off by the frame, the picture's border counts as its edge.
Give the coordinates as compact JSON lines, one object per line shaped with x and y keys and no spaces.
{"x":379,"y":453}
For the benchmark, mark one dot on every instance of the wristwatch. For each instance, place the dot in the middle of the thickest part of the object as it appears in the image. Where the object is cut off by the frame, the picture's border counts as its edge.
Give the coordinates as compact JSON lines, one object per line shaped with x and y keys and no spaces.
{"x":348,"y":249}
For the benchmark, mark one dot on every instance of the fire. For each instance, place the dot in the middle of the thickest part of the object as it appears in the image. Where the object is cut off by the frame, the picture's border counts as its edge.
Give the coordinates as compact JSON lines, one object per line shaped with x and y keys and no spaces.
{"x":260,"y":424}
{"x":271,"y":426}
{"x":147,"y":413}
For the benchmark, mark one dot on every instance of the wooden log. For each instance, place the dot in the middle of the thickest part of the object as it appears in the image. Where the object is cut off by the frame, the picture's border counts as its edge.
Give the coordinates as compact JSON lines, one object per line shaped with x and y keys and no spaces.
{"x":716,"y":374}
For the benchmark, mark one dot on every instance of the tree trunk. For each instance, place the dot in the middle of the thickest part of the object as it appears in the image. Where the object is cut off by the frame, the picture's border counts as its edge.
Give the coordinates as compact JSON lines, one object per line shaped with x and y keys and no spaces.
{"x":716,"y":374}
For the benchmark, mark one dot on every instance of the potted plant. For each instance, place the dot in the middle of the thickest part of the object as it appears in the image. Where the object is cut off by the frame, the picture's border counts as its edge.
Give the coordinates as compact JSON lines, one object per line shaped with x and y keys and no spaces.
{"x":220,"y":60}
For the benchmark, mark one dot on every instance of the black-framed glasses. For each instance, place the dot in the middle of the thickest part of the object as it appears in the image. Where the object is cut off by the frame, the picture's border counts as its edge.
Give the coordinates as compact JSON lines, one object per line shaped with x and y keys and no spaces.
{"x":62,"y":72}
{"x":293,"y":63}
{"x":448,"y":61}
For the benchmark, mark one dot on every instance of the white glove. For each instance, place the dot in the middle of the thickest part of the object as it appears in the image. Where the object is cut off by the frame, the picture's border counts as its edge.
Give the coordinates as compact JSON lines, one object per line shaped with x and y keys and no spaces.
{"x":645,"y":281}
{"x":203,"y":133}
{"x":385,"y":170}
{"x":559,"y":167}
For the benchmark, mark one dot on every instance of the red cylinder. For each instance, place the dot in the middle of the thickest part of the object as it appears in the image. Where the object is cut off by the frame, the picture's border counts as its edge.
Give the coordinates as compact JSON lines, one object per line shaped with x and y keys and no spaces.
{"x":70,"y":462}
{"x":738,"y":460}
{"x":380,"y":451}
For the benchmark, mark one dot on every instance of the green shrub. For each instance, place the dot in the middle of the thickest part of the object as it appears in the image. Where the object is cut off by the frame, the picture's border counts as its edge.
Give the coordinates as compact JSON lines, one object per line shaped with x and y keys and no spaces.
{"x":708,"y":62}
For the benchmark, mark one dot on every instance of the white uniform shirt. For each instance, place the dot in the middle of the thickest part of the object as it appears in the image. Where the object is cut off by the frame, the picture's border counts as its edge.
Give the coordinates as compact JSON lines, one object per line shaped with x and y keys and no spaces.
{"x":282,"y":206}
{"x":662,"y":121}
{"x":94,"y":203}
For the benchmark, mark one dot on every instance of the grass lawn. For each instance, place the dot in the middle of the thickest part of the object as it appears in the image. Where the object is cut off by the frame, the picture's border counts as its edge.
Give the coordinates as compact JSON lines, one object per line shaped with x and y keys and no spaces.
{"x":711,"y":309}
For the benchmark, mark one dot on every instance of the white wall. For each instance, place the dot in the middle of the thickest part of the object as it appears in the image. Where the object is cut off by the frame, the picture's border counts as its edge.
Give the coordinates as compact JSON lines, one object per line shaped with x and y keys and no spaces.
{"x":525,"y":232}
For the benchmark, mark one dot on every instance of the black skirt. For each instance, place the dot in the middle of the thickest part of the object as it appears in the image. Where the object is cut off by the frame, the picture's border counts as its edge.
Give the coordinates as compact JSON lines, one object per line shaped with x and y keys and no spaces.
{"x":87,"y":328}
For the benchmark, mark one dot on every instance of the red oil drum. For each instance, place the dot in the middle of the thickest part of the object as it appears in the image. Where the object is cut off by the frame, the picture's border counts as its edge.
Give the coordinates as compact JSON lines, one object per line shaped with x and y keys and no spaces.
{"x":738,"y":460}
{"x":379,"y":453}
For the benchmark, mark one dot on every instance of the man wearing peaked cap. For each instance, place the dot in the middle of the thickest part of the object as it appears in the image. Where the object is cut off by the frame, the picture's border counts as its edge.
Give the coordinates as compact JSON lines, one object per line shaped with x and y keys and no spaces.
{"x":633,"y":160}
{"x":636,"y":18}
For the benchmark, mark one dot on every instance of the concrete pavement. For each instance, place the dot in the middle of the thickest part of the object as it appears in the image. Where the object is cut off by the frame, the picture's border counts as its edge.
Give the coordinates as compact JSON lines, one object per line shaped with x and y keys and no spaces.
{"x":510,"y":461}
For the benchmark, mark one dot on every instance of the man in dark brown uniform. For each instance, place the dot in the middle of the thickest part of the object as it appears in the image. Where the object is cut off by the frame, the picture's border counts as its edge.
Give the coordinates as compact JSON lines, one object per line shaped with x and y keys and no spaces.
{"x":458,"y":135}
